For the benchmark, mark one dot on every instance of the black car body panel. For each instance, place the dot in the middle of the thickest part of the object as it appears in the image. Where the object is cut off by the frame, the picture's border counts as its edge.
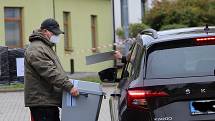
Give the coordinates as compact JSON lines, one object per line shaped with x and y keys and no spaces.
{"x":170,"y":77}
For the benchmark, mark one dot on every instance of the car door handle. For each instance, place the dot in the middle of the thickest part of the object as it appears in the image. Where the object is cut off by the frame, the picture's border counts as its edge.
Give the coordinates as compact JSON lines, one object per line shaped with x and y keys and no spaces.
{"x":115,"y":95}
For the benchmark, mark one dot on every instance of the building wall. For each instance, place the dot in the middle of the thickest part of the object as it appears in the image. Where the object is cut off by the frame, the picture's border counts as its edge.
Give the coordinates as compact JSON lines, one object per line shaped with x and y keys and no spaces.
{"x":134,"y":12}
{"x":117,"y":12}
{"x":149,"y":4}
{"x":81,"y":10}
{"x":35,"y":11}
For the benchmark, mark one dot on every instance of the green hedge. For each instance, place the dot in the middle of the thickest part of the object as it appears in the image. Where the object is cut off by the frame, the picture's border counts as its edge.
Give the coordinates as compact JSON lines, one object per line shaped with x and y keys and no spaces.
{"x":173,"y":26}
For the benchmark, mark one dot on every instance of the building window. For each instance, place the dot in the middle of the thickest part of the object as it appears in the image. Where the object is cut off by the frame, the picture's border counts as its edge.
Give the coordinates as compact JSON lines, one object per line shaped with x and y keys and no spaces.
{"x":13,"y":27}
{"x":67,"y":31}
{"x":94,"y":33}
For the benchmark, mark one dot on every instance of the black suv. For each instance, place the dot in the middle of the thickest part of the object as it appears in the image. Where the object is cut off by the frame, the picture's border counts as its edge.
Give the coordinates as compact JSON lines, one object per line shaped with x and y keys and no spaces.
{"x":170,"y":76}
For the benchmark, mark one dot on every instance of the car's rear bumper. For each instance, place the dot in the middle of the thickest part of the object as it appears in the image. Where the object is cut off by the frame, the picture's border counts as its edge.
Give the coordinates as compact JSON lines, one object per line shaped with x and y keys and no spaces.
{"x":135,"y":115}
{"x":179,"y":111}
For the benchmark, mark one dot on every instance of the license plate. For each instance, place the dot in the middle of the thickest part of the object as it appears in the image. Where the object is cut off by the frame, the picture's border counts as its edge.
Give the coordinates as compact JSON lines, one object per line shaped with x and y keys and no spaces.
{"x":202,"y":107}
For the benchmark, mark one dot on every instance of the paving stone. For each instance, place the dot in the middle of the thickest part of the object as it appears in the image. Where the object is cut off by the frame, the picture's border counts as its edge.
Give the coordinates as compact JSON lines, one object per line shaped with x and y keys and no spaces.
{"x":12,"y":106}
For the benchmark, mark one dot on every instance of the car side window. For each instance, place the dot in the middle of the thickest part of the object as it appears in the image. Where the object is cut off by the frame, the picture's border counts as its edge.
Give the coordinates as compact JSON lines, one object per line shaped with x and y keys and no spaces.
{"x":134,"y":62}
{"x":138,"y":60}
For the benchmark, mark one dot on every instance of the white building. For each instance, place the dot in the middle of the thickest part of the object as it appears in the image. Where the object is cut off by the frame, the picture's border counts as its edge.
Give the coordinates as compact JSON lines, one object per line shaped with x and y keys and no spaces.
{"x":136,"y":9}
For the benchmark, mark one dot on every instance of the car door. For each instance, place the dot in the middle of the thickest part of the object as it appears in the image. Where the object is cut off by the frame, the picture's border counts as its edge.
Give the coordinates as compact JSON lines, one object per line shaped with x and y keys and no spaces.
{"x":118,"y":92}
{"x":130,"y":72}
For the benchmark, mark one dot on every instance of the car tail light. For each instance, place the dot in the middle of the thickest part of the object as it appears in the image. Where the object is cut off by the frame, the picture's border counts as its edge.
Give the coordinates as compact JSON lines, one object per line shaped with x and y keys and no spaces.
{"x":205,"y":39}
{"x":137,"y":99}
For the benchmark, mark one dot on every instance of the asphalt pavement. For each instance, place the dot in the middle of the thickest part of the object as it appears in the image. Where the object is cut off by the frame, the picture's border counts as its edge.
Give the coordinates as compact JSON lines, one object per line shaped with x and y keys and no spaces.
{"x":12,"y":106}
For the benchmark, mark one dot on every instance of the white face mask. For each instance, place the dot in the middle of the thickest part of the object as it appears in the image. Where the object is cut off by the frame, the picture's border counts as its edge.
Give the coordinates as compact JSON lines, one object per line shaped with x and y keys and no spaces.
{"x":55,"y":39}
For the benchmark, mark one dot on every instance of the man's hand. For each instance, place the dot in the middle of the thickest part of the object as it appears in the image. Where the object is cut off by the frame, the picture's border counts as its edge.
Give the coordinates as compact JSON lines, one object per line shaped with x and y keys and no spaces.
{"x":117,"y":55}
{"x":74,"y":91}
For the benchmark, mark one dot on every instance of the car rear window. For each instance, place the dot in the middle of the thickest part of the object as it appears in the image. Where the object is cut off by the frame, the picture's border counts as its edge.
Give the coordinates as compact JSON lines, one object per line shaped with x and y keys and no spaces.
{"x":181,"y":62}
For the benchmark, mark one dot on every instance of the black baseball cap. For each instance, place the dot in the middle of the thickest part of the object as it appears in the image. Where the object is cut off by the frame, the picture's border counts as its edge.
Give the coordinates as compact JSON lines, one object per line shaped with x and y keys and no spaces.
{"x":51,"y":25}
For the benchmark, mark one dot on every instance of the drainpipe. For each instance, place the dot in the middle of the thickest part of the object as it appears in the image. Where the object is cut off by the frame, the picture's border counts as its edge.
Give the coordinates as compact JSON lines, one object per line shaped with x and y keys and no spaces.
{"x":114,"y":31}
{"x":125,"y":23}
{"x":53,"y":3}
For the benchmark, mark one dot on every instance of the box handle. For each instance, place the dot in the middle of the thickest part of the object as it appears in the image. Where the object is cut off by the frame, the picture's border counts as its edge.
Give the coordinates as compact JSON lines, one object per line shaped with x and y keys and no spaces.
{"x":84,"y":94}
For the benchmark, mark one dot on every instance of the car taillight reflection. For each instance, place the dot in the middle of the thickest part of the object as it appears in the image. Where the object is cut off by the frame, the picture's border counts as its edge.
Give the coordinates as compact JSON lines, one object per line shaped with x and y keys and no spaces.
{"x":137,"y":98}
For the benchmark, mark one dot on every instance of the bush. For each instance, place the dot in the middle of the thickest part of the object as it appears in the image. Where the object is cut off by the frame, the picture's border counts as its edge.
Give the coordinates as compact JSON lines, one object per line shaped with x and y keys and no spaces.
{"x":120,"y":33}
{"x":173,"y":26}
{"x":183,"y":12}
{"x":134,"y":29}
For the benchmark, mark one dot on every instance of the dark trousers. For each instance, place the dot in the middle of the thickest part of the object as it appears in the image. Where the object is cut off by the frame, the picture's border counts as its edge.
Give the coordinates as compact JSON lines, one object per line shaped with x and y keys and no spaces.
{"x":44,"y":114}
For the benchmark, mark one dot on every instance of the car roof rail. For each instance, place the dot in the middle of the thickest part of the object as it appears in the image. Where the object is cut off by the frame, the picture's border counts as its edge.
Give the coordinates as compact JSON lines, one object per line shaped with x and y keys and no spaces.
{"x":150,"y":32}
{"x":204,"y":29}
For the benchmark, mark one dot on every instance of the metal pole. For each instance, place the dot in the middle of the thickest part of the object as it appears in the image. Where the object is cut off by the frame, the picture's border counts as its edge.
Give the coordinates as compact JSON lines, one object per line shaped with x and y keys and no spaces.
{"x":125,"y":23}
{"x":72,"y":66}
{"x":55,"y":47}
{"x":114,"y":25}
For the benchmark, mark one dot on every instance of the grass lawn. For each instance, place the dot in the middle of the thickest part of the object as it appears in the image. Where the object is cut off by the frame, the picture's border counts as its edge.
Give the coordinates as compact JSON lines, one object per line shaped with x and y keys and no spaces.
{"x":12,"y":86}
{"x":17,"y":86}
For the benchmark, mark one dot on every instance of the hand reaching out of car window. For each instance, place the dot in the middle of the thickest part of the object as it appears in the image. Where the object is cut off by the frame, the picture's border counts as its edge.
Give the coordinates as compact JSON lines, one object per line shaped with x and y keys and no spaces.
{"x":117,"y":55}
{"x":74,"y":91}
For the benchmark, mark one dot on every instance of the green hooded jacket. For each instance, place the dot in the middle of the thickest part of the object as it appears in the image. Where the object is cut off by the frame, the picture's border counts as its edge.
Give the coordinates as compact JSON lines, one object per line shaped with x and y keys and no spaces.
{"x":45,"y":78}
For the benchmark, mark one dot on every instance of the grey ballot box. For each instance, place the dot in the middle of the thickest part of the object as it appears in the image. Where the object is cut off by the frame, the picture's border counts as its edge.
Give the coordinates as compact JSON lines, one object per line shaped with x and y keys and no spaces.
{"x":86,"y":106}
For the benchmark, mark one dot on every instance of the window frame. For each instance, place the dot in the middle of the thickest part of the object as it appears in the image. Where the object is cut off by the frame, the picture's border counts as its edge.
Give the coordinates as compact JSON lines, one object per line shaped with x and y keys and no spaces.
{"x":19,"y":20}
{"x":137,"y":53}
{"x":67,"y":33}
{"x":94,"y":33}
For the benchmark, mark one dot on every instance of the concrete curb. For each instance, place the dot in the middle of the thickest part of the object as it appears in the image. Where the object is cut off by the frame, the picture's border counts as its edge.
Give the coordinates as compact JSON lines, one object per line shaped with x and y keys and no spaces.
{"x":22,"y":89}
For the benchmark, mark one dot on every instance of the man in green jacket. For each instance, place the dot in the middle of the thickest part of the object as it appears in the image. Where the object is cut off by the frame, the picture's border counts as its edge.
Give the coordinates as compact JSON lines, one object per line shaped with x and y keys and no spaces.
{"x":45,"y":78}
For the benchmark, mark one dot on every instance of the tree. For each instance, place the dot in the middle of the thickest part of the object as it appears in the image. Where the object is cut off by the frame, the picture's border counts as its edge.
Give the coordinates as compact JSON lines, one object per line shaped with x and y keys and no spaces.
{"x":181,"y":12}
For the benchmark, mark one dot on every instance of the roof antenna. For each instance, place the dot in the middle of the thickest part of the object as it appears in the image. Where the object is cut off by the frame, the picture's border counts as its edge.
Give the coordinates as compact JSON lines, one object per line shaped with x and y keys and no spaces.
{"x":206,"y":29}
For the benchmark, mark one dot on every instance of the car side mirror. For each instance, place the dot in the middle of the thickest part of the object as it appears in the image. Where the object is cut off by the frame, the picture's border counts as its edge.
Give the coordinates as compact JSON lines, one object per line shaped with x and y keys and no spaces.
{"x":108,"y":75}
